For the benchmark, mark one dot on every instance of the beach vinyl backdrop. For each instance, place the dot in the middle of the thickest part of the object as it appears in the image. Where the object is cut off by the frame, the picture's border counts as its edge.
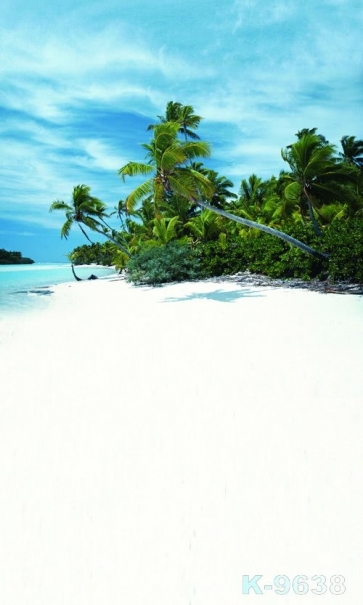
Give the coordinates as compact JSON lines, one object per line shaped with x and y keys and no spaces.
{"x":81,"y":81}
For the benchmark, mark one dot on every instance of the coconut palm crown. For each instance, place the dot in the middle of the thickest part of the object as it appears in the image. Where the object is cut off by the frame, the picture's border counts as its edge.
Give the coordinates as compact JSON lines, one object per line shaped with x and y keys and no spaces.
{"x":183,"y":114}
{"x":167,"y":164}
{"x":352,"y":151}
{"x":86,"y":210}
{"x":317,"y":175}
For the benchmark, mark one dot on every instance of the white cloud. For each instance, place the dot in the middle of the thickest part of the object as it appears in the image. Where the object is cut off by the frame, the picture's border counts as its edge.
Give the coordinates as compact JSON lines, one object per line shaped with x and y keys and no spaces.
{"x":19,"y":233}
{"x":258,"y":13}
{"x":98,"y":155}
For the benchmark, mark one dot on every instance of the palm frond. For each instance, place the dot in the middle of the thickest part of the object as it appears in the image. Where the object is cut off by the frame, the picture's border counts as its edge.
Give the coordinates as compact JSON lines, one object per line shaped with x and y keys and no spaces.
{"x":293,"y":192}
{"x":59,"y":205}
{"x":135,"y":169}
{"x":325,"y":191}
{"x":138,"y":194}
{"x":183,"y":187}
{"x":164,"y":228}
{"x":195,"y":149}
{"x":65,"y":230}
{"x":174,"y":154}
{"x":203,"y":184}
{"x":189,"y":133}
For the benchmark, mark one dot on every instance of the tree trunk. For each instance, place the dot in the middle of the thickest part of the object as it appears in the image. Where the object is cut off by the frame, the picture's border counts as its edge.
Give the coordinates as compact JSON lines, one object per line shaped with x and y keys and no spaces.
{"x":74,"y":274}
{"x":315,"y":223}
{"x":266,"y":229}
{"x":111,"y":240}
{"x":84,"y":233}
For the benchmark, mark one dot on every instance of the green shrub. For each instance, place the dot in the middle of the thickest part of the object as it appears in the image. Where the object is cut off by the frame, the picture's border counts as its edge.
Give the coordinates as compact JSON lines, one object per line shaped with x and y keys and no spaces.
{"x":162,"y":264}
{"x":222,"y":260}
{"x":344,"y":242}
{"x":278,"y":259}
{"x":263,"y":254}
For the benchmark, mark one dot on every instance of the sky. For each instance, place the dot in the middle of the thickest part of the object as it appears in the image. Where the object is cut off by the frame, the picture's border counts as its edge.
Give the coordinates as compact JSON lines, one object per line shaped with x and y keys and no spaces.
{"x":82,"y":80}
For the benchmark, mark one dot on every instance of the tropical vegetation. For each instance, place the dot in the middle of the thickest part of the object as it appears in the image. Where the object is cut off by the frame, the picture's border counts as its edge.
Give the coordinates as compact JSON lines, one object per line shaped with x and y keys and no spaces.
{"x":13,"y":258}
{"x":186,"y":219}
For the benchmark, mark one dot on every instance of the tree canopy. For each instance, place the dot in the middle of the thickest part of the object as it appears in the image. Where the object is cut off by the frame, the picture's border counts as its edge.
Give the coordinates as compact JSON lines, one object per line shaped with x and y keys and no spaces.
{"x":13,"y":258}
{"x":183,"y":200}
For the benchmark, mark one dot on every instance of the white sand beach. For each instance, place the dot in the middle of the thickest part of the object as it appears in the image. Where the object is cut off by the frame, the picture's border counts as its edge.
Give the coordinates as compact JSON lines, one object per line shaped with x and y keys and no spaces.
{"x":156,"y":445}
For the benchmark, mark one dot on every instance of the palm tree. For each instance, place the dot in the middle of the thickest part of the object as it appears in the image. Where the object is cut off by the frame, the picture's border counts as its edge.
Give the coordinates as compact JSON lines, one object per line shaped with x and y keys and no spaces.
{"x":167,"y":157}
{"x":252,"y":192}
{"x":221,"y":186}
{"x":165,"y":230}
{"x":87,"y":210}
{"x":316,"y":176}
{"x":352,"y":151}
{"x":178,"y":206}
{"x":304,"y":131}
{"x":170,"y":174}
{"x":206,"y":226}
{"x":189,"y":122}
{"x":184,"y":115}
{"x":122,"y":213}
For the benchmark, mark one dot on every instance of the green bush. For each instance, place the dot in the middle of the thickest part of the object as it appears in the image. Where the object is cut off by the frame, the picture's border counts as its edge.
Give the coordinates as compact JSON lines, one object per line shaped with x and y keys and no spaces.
{"x":344,"y":242}
{"x":222,"y":260}
{"x":259,"y":253}
{"x":162,"y":264}
{"x":263,"y":254}
{"x":276,"y":258}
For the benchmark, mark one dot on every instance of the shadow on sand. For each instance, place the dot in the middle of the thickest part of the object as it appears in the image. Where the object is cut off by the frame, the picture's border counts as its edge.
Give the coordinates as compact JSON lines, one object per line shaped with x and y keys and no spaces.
{"x":217,"y":295}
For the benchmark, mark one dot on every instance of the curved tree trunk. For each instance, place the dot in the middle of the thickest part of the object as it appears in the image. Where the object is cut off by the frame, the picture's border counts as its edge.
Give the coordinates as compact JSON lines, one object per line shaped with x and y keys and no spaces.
{"x":79,"y":278}
{"x":266,"y":229}
{"x":74,"y":274}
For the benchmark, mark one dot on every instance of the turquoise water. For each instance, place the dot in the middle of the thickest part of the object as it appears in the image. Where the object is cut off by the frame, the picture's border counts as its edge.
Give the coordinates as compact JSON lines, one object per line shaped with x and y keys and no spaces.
{"x":28,"y":287}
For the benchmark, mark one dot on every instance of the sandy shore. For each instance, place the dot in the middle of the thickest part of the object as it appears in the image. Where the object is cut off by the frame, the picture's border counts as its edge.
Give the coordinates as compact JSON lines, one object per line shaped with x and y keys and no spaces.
{"x":158,"y":444}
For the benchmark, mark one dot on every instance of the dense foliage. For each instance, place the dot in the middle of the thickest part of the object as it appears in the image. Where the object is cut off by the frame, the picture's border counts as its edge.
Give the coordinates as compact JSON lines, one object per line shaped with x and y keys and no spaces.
{"x":172,"y":262}
{"x":13,"y":258}
{"x":344,"y":239}
{"x":96,"y":253}
{"x":261,"y":255}
{"x":307,"y":222}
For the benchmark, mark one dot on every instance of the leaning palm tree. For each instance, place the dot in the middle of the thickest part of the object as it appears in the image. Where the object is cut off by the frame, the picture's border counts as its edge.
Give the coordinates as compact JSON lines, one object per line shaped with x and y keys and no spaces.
{"x":170,"y":173}
{"x":86,"y":210}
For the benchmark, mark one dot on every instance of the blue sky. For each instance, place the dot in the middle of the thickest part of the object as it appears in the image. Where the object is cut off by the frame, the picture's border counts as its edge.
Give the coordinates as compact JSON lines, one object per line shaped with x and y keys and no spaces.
{"x":80,"y":82}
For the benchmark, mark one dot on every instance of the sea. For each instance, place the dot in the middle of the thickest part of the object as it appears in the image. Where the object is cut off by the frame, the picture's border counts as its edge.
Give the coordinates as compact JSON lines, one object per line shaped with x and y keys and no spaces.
{"x":29,"y":287}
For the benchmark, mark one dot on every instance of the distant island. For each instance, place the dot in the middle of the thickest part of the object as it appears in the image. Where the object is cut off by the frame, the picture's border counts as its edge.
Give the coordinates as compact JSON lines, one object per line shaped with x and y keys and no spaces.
{"x":13,"y":258}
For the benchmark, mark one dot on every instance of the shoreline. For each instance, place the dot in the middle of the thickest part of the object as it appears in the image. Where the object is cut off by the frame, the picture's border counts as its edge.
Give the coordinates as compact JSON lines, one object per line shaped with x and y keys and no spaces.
{"x":159,"y":443}
{"x":23,"y":287}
